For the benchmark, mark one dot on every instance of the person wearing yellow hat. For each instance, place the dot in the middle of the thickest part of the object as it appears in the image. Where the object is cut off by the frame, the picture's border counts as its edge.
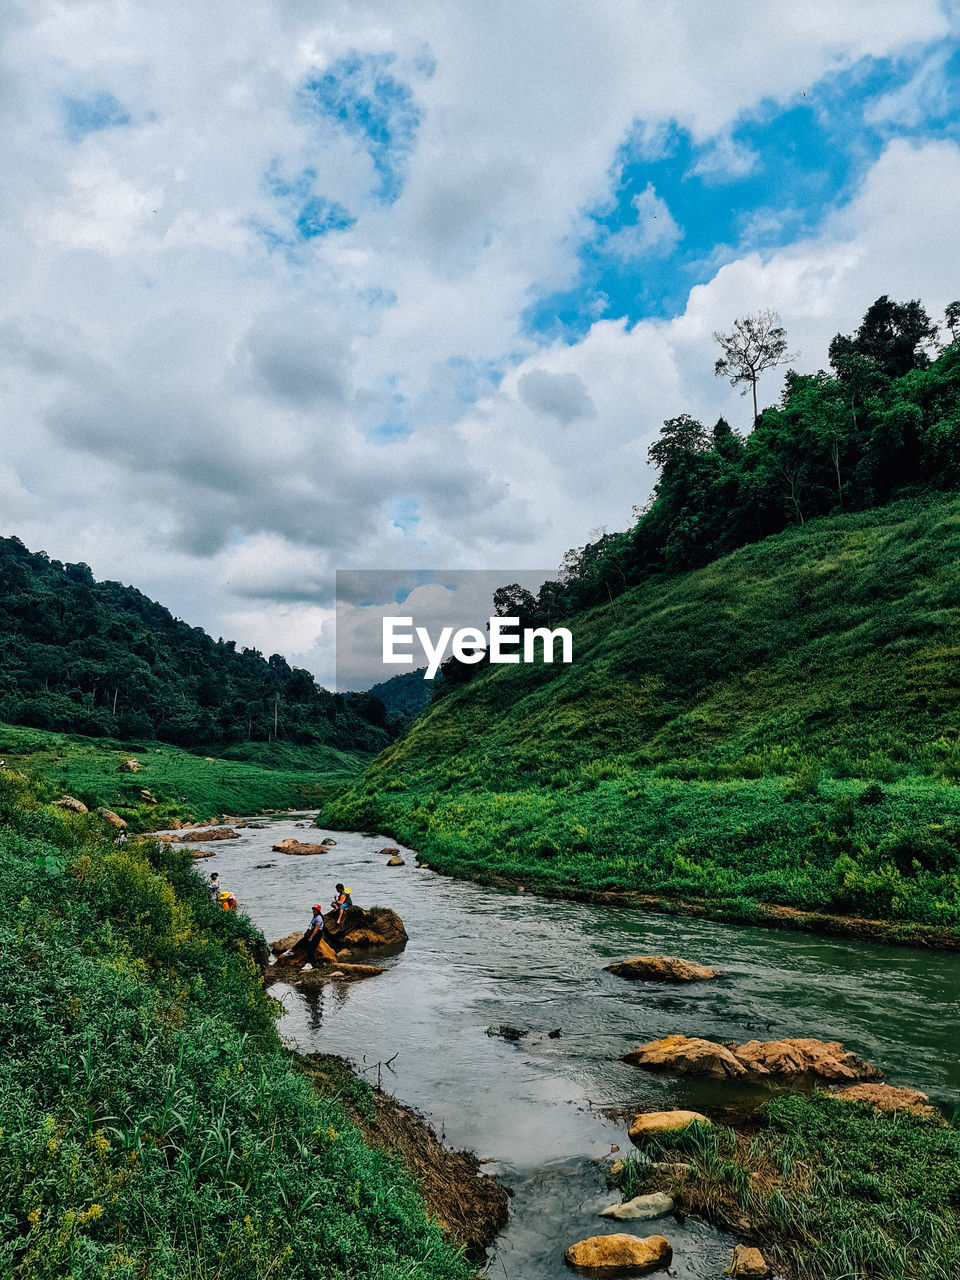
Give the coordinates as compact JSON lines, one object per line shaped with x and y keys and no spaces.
{"x":227,"y":900}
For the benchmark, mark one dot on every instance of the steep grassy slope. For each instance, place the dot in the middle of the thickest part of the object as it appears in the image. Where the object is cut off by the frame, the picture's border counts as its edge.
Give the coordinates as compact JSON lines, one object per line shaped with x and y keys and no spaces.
{"x":151,"y":1124}
{"x":782,"y":726}
{"x":185,"y":786}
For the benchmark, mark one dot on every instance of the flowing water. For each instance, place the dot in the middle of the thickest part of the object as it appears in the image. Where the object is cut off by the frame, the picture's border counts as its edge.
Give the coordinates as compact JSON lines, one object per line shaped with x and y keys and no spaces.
{"x":480,"y":958}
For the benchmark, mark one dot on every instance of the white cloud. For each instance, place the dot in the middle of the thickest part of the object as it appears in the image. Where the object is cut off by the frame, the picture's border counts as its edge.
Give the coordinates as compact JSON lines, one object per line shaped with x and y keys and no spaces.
{"x":655,"y":231}
{"x":194,"y":407}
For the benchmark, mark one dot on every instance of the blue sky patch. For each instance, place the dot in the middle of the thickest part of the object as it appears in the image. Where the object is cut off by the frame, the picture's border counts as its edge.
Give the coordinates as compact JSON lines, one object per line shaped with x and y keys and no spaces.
{"x":368,"y":102}
{"x":318,"y":216}
{"x":405,"y":513}
{"x":89,"y":115}
{"x":679,"y":210}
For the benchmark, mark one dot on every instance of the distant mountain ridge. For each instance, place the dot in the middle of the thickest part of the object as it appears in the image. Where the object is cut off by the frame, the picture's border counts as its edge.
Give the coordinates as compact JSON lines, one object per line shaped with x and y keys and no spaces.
{"x":102,"y":659}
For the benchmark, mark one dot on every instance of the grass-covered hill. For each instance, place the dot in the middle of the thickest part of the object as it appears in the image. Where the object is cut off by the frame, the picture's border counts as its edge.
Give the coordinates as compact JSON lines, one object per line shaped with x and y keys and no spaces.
{"x":172,"y":784}
{"x":101,"y":659}
{"x":781,"y":726}
{"x":151,"y":1123}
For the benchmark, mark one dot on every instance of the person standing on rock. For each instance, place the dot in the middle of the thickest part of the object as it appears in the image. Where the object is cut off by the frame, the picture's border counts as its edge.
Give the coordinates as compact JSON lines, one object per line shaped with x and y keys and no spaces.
{"x":314,"y":935}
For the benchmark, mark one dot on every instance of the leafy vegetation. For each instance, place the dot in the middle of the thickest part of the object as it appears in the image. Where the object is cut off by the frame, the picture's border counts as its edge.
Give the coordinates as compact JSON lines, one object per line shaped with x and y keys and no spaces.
{"x":780,"y":726}
{"x":884,"y":424}
{"x":150,"y":1122}
{"x":179,"y":785}
{"x":101,"y":659}
{"x":827,"y":1188}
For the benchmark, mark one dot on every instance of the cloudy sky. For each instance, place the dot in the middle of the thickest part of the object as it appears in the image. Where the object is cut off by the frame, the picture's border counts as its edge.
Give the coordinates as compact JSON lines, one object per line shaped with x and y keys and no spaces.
{"x":297,"y":286}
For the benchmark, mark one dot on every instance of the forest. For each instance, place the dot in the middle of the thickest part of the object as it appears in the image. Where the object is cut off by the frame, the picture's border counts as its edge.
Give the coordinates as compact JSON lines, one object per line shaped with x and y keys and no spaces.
{"x":101,"y":659}
{"x":882,"y":423}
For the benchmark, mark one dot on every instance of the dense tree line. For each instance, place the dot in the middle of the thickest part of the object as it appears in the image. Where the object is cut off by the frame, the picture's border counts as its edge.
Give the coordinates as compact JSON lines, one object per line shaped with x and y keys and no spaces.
{"x":102,"y":659}
{"x":882,"y":423}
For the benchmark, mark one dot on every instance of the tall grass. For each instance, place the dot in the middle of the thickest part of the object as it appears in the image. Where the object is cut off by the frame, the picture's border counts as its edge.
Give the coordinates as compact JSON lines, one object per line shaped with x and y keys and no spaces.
{"x":827,"y":1188}
{"x":150,"y":1122}
{"x":781,"y":726}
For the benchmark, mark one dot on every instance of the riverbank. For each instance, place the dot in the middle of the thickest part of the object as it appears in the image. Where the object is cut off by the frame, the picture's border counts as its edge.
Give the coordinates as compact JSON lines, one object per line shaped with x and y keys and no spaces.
{"x":732,"y":910}
{"x":824,"y":1187}
{"x":471,"y":1207}
{"x":153,"y":785}
{"x":150,"y":1119}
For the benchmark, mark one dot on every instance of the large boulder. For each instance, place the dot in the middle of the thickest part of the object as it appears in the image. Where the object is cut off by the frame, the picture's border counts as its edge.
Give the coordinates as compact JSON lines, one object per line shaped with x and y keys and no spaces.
{"x":757,"y":1059}
{"x":114,"y":819}
{"x":396,"y":861}
{"x":888,"y":1097}
{"x":290,"y":845}
{"x":362,"y":930}
{"x":284,"y":944}
{"x":389,"y":851}
{"x":640,"y":1208}
{"x":687,"y":1056}
{"x":71,"y":803}
{"x":662,"y":1122}
{"x":823,"y":1059}
{"x":661,"y":969}
{"x":619,"y":1254}
{"x":129,"y":766}
{"x":212,"y":833}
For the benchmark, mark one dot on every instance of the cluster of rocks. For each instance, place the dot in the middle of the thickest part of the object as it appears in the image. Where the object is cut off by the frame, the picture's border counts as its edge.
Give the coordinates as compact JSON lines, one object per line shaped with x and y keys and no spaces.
{"x":393,"y":857}
{"x":757,"y":1059}
{"x":797,"y":1061}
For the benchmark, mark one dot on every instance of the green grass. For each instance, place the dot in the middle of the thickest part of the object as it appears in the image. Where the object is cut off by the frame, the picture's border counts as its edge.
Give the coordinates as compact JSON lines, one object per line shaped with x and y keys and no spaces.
{"x":150,"y":1122}
{"x":826,"y":1188}
{"x":248,"y":779}
{"x":782,"y":726}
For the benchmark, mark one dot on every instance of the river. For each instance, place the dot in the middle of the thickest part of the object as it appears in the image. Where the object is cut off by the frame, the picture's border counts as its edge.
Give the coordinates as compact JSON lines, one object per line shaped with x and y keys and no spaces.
{"x":479,"y":958}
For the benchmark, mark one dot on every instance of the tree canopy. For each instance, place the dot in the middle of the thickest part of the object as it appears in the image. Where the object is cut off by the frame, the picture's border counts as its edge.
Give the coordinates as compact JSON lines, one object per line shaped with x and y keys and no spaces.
{"x":102,"y":659}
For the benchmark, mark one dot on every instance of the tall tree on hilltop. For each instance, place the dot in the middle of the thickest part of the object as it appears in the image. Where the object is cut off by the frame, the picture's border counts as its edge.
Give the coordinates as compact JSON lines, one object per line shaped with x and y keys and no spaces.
{"x":754,"y":344}
{"x":892,"y":334}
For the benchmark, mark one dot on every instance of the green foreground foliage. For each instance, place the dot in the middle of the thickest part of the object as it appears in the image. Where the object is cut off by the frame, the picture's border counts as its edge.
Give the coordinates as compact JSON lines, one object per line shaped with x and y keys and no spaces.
{"x":150,"y":1122}
{"x":781,"y":726}
{"x":251,"y":776}
{"x":826,"y":1188}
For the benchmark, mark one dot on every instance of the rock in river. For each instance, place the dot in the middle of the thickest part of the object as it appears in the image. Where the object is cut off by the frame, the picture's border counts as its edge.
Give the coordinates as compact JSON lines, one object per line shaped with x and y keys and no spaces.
{"x":662,"y":969}
{"x":825,"y":1059}
{"x":747,"y":1262}
{"x":757,"y":1059}
{"x":619,"y":1254}
{"x":294,"y":846}
{"x":640,"y":1208}
{"x":663,"y":1122}
{"x":396,"y":861}
{"x":687,"y":1056}
{"x":212,"y":833}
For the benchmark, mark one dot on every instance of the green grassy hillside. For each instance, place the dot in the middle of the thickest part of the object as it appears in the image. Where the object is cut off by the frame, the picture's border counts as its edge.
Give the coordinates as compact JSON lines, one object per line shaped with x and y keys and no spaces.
{"x":251,"y":776}
{"x":781,"y":726}
{"x":151,"y":1124}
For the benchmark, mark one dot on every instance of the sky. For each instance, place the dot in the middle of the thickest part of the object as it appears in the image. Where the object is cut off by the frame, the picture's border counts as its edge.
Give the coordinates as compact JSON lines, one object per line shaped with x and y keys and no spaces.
{"x":296,"y":287}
